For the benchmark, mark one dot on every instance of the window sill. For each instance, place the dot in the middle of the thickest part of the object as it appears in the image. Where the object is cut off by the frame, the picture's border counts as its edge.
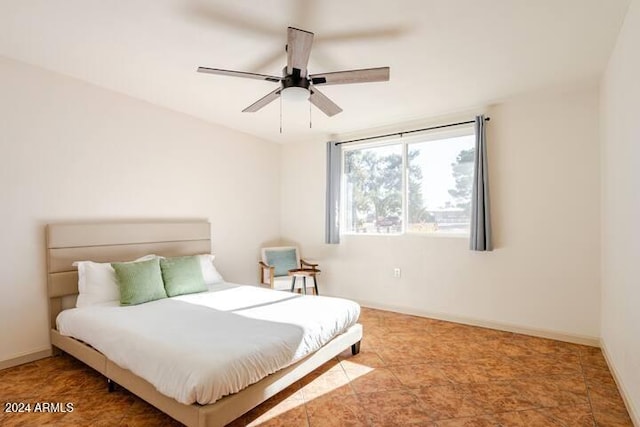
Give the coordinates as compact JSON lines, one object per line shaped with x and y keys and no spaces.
{"x":410,"y":233}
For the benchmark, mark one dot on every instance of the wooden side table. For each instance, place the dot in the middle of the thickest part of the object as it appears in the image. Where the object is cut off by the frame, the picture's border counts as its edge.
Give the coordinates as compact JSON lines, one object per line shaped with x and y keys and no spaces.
{"x":304,"y":273}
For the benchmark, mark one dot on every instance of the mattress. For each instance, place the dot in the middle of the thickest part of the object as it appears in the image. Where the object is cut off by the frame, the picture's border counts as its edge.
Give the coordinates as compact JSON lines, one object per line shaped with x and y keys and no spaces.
{"x":198,"y":348}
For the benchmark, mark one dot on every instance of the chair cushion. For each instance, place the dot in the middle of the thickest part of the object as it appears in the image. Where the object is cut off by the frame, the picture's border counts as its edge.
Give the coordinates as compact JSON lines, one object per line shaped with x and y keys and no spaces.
{"x":283,"y":260}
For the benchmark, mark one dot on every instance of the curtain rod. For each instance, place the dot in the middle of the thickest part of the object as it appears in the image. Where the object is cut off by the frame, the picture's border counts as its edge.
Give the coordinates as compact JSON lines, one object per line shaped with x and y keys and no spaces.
{"x":410,"y":131}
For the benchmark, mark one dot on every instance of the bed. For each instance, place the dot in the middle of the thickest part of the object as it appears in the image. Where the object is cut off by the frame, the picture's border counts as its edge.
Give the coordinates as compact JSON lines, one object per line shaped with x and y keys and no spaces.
{"x":103,"y":242}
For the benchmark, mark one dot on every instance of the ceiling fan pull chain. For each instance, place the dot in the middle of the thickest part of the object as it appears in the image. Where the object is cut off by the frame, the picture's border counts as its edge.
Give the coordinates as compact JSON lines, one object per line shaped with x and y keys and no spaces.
{"x":310,"y":127}
{"x":280,"y":114}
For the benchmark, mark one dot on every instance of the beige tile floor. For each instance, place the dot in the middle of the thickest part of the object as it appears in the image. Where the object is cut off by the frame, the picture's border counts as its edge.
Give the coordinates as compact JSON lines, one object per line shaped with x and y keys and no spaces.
{"x":411,"y":370}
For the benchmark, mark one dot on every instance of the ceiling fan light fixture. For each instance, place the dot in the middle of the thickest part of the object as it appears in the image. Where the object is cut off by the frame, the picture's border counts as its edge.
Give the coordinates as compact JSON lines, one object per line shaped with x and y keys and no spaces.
{"x":295,"y":94}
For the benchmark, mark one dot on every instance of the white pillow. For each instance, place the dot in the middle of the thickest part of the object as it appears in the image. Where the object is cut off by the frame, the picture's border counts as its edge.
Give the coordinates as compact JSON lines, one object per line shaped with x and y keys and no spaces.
{"x":209,"y":272}
{"x":97,"y":282}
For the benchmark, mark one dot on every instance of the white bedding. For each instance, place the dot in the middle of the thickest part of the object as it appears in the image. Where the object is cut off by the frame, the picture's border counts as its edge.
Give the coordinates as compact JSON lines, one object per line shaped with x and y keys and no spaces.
{"x":201,"y":347}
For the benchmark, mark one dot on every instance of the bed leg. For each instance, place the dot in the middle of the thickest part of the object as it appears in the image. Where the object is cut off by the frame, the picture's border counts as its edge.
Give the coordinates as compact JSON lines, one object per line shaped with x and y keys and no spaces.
{"x":355,"y":348}
{"x":111,"y":386}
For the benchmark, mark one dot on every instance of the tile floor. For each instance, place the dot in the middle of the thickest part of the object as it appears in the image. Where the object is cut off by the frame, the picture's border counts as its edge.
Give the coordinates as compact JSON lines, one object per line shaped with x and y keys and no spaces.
{"x":411,"y":370}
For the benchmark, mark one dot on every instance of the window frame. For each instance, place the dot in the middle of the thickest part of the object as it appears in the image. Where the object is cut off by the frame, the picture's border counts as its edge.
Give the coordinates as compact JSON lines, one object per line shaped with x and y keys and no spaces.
{"x":404,"y":142}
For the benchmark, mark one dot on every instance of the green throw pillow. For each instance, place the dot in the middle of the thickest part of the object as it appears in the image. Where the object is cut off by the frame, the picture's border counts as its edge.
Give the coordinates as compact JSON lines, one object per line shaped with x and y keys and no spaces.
{"x":182,"y":275}
{"x":282,"y":260}
{"x":139,"y":281}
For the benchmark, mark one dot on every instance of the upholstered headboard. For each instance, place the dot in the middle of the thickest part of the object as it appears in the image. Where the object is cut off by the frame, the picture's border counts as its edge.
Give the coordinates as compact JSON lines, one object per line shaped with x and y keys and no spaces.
{"x":113,"y":241}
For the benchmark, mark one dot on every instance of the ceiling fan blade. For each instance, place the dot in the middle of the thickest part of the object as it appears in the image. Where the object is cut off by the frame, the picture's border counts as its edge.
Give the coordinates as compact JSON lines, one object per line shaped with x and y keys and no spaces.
{"x":323,"y":103}
{"x":298,"y":50}
{"x":214,"y":14}
{"x":267,"y":61}
{"x":238,"y":74}
{"x":365,"y":75}
{"x":371,"y":33}
{"x":271,"y":96}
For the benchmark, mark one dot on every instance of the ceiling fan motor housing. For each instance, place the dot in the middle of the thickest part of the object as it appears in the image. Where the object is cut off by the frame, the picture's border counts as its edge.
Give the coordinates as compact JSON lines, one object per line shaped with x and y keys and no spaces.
{"x":294,"y":79}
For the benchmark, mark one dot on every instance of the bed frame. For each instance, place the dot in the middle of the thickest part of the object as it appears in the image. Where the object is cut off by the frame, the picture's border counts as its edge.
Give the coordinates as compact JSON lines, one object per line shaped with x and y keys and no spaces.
{"x":124,"y":241}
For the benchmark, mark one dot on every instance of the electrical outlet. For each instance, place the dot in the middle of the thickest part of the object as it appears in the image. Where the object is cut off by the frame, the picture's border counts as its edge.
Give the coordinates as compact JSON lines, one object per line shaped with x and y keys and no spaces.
{"x":396,"y":272}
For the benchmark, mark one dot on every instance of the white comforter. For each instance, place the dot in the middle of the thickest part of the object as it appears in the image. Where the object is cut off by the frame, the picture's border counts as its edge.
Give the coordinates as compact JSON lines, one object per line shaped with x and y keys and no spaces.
{"x":201,"y":347}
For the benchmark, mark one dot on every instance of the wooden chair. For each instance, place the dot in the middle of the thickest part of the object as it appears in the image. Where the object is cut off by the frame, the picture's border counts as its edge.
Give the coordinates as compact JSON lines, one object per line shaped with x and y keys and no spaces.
{"x":281,"y":266}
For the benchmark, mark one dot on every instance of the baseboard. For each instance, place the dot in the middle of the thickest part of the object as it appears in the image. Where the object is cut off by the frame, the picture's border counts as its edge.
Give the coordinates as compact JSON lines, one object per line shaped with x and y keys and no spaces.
{"x":25,"y":358}
{"x":542,"y":333}
{"x":634,"y":414}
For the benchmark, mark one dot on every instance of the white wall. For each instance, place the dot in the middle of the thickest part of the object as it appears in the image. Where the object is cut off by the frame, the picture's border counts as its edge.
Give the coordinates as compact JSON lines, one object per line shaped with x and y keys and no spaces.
{"x":621,"y":209}
{"x":544,"y":274}
{"x":72,"y":151}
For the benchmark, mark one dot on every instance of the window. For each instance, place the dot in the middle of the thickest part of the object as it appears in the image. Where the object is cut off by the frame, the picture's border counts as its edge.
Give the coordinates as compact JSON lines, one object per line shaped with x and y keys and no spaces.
{"x":373,"y":189}
{"x":420,"y":184}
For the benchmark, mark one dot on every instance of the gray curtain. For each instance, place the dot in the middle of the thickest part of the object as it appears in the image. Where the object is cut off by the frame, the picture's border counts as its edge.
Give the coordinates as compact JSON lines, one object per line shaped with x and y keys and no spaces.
{"x":334,"y":166}
{"x":480,"y":212}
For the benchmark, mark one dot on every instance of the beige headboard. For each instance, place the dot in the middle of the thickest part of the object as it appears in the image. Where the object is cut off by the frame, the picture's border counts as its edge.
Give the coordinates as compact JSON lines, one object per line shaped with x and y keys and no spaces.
{"x":113,"y":241}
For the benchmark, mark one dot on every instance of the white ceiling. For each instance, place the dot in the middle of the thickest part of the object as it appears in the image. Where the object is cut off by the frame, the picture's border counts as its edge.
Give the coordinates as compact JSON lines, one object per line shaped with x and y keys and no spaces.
{"x":445,"y":55}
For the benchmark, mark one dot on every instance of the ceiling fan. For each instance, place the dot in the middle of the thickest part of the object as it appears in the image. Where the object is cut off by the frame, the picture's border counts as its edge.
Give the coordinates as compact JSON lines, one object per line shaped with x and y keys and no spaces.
{"x":295,"y":80}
